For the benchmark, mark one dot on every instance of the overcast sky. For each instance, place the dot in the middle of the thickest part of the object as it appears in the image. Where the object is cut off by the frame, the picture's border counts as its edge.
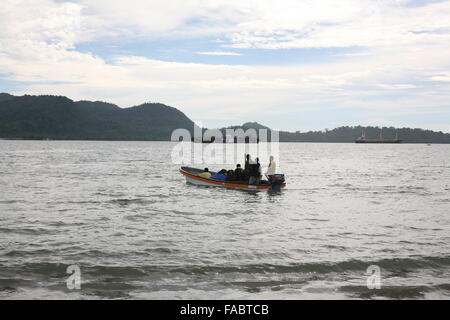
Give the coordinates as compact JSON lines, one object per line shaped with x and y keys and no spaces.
{"x":292,"y":64}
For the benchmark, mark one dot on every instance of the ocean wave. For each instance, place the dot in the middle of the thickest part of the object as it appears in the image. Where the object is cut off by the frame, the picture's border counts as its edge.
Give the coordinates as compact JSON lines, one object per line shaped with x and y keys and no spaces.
{"x":390,"y":265}
{"x":325,"y":267}
{"x":127,"y":201}
{"x":391,"y":292}
{"x":27,"y":231}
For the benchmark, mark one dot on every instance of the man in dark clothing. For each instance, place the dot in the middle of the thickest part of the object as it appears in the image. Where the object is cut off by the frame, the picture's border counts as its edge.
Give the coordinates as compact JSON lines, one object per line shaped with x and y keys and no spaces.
{"x":239,"y":173}
{"x":247,"y":162}
{"x":255,"y":172}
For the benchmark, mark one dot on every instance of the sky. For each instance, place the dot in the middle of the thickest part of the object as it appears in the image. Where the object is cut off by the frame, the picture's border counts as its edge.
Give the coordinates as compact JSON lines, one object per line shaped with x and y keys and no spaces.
{"x":288,"y":64}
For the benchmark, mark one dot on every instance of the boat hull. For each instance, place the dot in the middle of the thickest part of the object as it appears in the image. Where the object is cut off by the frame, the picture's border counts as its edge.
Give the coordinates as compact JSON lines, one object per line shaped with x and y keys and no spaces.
{"x":192,"y":178}
{"x":378,"y":141}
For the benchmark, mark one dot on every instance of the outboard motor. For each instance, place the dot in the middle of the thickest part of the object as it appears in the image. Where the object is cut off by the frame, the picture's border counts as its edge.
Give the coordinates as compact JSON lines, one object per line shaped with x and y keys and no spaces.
{"x":276,"y":181}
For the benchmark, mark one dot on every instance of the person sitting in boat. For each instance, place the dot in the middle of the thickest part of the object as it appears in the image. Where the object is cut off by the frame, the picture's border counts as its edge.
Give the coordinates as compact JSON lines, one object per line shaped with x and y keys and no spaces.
{"x":254,"y":172}
{"x":271,"y":170}
{"x":205,"y":174}
{"x":239,"y":173}
{"x":221,"y":175}
{"x":231,"y":175}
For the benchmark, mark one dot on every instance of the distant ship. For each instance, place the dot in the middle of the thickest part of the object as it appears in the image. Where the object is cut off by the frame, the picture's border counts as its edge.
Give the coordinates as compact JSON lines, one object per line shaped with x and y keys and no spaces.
{"x":363,"y":139}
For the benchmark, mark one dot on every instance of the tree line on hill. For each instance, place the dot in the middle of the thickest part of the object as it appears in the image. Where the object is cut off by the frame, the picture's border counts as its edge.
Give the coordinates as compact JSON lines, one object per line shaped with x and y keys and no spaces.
{"x":60,"y":118}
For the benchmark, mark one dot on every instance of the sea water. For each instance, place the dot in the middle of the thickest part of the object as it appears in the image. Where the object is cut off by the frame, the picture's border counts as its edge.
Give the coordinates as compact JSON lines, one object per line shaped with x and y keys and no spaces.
{"x":355,"y":221}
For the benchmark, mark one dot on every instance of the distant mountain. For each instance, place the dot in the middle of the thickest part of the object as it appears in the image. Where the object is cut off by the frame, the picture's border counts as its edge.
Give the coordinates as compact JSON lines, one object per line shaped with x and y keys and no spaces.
{"x":350,"y":134}
{"x":60,"y":118}
{"x":6,"y":96}
{"x":249,"y":125}
{"x":245,"y":127}
{"x":56,"y":117}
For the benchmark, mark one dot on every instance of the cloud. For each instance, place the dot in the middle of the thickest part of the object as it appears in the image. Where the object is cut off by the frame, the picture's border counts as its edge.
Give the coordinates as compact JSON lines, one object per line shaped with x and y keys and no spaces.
{"x":219,"y":53}
{"x":329,"y":23}
{"x":269,"y":24}
{"x":27,"y":22}
{"x":398,"y":86}
{"x":398,"y":68}
{"x":142,"y":18}
{"x":443,"y":77}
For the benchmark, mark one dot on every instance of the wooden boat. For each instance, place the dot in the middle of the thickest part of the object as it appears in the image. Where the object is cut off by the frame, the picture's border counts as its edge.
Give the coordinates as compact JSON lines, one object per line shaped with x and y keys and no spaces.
{"x":275,"y":182}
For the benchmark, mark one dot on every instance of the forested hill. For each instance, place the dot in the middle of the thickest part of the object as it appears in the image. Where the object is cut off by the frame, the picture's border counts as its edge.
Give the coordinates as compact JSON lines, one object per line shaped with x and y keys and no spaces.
{"x":60,"y":118}
{"x":6,"y":96}
{"x":57,"y":117}
{"x":349,"y":134}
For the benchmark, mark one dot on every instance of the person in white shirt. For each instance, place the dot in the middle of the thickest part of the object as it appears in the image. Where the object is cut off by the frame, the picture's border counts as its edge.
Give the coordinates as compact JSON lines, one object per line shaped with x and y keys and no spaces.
{"x":272,"y":169}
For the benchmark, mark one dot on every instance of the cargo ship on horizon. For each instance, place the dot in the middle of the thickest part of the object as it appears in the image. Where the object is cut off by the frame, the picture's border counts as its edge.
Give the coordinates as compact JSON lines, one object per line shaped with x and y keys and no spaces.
{"x":363,"y":139}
